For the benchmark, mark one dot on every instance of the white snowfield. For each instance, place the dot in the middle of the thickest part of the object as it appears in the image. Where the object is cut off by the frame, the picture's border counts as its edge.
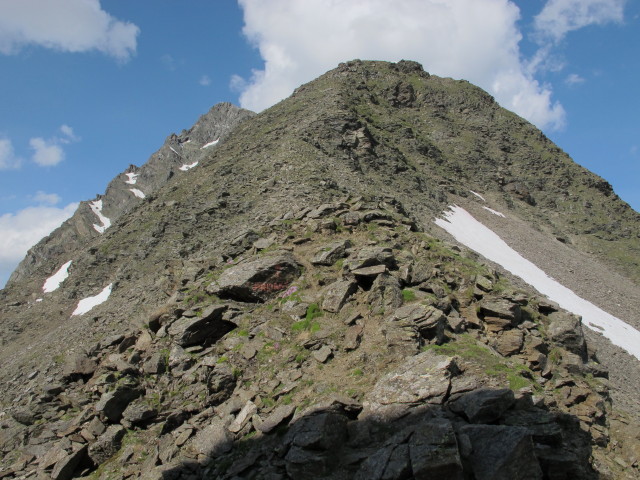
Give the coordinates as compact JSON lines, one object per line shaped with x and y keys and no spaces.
{"x":494,"y":212}
{"x":133,"y":178}
{"x":96,"y":207}
{"x":88,"y":303}
{"x":210,"y":144}
{"x":174,"y":151}
{"x":186,"y":167}
{"x":473,"y":234}
{"x":53,"y":282}
{"x":137,"y":193}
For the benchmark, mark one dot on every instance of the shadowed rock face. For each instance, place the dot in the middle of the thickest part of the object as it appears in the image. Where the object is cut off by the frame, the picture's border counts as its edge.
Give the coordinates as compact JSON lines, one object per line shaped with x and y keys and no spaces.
{"x":286,"y":309}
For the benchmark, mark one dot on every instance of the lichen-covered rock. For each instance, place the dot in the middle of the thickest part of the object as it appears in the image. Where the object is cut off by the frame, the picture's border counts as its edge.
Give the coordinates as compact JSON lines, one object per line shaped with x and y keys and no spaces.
{"x":330,"y":254}
{"x":566,"y":329}
{"x":257,"y":280}
{"x":423,"y":379}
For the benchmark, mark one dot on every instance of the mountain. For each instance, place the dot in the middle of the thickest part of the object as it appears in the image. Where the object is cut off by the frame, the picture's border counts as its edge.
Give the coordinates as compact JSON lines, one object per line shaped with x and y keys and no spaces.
{"x":291,"y":307}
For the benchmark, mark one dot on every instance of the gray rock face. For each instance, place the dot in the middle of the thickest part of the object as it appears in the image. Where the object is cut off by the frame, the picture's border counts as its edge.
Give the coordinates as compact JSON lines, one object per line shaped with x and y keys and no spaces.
{"x":433,"y":450}
{"x":501,"y":453}
{"x":64,"y":469}
{"x":484,"y":406}
{"x":257,"y":280}
{"x":213,"y":440}
{"x":501,"y":308}
{"x":429,"y":321}
{"x":202,"y":330}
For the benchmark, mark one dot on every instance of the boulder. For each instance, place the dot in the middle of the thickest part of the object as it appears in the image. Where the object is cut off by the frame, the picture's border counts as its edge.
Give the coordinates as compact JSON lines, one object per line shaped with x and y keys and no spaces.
{"x":78,"y":365}
{"x":423,"y":379}
{"x":566,"y":329}
{"x":385,"y":294}
{"x":277,"y":417}
{"x":501,"y":453}
{"x":107,"y":444}
{"x":257,"y":280}
{"x":139,"y":412}
{"x":509,"y":342}
{"x":220,"y":384}
{"x":484,"y":405}
{"x":113,"y":403}
{"x":213,"y":440}
{"x":369,"y":256}
{"x":64,"y":468}
{"x":337,"y":294}
{"x":429,"y":321}
{"x":203,"y":330}
{"x":501,"y":308}
{"x":330,"y":254}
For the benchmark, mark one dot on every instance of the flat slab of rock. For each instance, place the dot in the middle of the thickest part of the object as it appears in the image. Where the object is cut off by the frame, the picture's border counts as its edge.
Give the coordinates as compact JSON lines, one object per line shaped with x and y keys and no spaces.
{"x":257,"y":280}
{"x":502,"y":308}
{"x":206,"y":329}
{"x":323,"y":354}
{"x":213,"y":440}
{"x":64,"y":468}
{"x":369,"y":256}
{"x":278,"y":416}
{"x":423,"y":379}
{"x":372,"y":271}
{"x":429,"y":321}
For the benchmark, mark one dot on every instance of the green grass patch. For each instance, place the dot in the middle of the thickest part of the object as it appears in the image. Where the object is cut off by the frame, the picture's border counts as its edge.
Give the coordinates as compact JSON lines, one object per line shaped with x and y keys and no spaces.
{"x":309,"y":323}
{"x":408,"y":295}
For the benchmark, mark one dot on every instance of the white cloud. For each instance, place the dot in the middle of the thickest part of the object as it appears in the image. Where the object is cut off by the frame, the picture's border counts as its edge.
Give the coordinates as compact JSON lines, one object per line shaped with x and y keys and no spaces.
{"x":470,"y":39}
{"x":574,"y":79}
{"x":46,"y":152}
{"x":69,"y":135}
{"x":8,"y":158}
{"x":46,"y":198}
{"x":559,"y":17}
{"x":205,"y":80}
{"x":168,"y":61}
{"x":22,"y":230}
{"x":65,"y":25}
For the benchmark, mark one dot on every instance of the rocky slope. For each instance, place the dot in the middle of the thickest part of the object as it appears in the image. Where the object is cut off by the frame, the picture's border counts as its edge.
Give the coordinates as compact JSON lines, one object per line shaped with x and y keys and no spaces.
{"x":285,"y":310}
{"x":179,"y":154}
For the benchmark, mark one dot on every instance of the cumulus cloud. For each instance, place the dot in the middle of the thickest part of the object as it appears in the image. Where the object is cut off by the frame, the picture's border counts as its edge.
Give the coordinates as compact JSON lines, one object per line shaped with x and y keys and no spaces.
{"x":20,"y":231}
{"x":559,"y":17}
{"x":65,"y":25}
{"x":470,"y":39}
{"x":8,"y":158}
{"x":46,"y":153}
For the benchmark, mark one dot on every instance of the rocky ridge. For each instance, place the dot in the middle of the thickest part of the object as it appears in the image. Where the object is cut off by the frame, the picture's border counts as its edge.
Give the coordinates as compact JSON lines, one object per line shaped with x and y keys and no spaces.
{"x":331,"y":192}
{"x":337,"y":343}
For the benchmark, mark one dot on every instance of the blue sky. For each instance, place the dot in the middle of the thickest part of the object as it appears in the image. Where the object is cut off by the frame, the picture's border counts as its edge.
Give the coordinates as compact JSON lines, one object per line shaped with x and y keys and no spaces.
{"x":88,"y":87}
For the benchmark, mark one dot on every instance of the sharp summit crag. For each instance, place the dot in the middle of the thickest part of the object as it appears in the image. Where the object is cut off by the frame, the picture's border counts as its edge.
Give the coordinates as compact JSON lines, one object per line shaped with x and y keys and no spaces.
{"x":270,"y":297}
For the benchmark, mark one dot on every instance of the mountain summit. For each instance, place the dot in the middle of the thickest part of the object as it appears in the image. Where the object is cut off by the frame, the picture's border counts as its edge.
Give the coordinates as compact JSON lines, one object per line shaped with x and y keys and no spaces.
{"x":279,"y":296}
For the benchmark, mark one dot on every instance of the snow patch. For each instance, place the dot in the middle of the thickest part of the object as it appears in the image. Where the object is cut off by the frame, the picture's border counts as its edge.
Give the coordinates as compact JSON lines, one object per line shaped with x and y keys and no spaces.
{"x":88,"y":303}
{"x":186,"y":167}
{"x":96,"y":207}
{"x":38,"y":300}
{"x":174,"y":151}
{"x":53,"y":282}
{"x":210,"y":144}
{"x":133,"y":178}
{"x":473,"y":234}
{"x":136,"y":192}
{"x":494,"y":212}
{"x":478,"y":195}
